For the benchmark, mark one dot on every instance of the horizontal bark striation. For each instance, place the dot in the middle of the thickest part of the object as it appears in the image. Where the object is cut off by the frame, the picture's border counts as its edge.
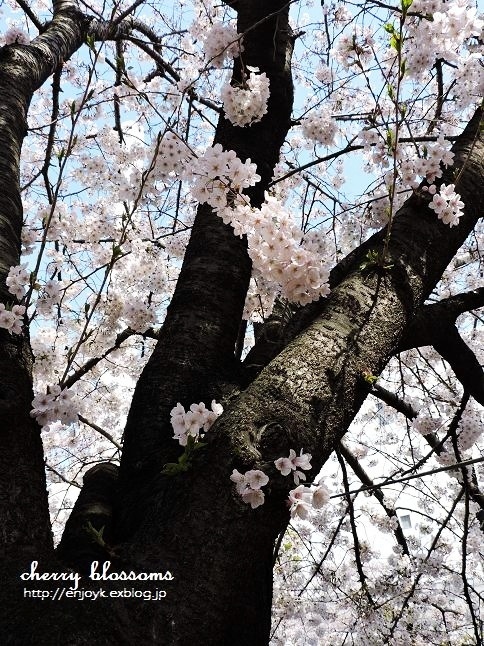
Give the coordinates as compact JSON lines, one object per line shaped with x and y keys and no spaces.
{"x":194,"y":357}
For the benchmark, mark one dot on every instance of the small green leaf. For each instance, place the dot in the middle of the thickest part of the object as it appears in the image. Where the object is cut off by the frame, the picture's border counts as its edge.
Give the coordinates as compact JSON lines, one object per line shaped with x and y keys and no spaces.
{"x":406,"y":4}
{"x":369,"y":378}
{"x":396,"y":42}
{"x":90,"y":42}
{"x":390,"y":139}
{"x":116,"y":251}
{"x":96,"y":535}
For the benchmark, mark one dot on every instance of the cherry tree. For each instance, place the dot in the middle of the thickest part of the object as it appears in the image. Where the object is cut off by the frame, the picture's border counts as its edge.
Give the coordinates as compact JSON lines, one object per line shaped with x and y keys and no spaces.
{"x":240,"y":282}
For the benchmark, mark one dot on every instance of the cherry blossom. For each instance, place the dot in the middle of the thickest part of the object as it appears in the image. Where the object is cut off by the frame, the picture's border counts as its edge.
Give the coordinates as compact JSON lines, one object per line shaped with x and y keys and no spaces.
{"x":246,"y":104}
{"x":294,"y":463}
{"x":447,"y":205}
{"x":249,"y":484}
{"x":12,"y":319}
{"x":197,"y":420}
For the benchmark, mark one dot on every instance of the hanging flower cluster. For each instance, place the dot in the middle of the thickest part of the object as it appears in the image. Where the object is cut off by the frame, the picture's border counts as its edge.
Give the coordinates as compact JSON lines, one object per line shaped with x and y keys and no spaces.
{"x":293,"y":463}
{"x":16,"y":36}
{"x":49,"y":296}
{"x":56,"y":404}
{"x":12,"y":319}
{"x":221,"y":44}
{"x":424,"y":424}
{"x":447,"y":204}
{"x":277,"y":252}
{"x":246,"y":104}
{"x":320,"y":127}
{"x":470,"y":429}
{"x":302,"y":499}
{"x":248,"y":485}
{"x":354,"y":49}
{"x":275,"y":243}
{"x":219,"y":175}
{"x":137,"y":315}
{"x":17,"y":280}
{"x":194,"y":421}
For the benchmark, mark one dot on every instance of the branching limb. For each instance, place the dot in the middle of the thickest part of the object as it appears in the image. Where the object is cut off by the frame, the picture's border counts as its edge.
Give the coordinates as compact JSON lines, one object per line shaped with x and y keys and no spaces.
{"x":28,"y":12}
{"x":359,"y":564}
{"x":101,"y":431}
{"x":91,"y":363}
{"x":368,"y":482}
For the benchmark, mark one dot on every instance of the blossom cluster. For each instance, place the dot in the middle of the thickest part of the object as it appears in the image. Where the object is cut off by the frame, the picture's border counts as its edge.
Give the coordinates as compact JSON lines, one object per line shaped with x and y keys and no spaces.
{"x":219,"y":175}
{"x":469,"y":430}
{"x":277,"y":252}
{"x":447,"y":204}
{"x":172,"y":153}
{"x":12,"y":320}
{"x":221,"y":44}
{"x":275,"y":243}
{"x":15,"y":35}
{"x":56,"y":404}
{"x":424,"y":424}
{"x":428,"y":40}
{"x":354,"y":49}
{"x":248,"y":486}
{"x":293,"y":463}
{"x":300,"y":500}
{"x":49,"y":297}
{"x":138,"y":316}
{"x":320,"y":127}
{"x":194,"y":421}
{"x":17,"y":280}
{"x":246,"y":104}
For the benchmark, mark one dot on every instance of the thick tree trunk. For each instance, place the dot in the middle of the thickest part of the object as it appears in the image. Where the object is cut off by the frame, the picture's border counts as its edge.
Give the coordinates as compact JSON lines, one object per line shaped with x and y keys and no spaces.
{"x":194,"y":358}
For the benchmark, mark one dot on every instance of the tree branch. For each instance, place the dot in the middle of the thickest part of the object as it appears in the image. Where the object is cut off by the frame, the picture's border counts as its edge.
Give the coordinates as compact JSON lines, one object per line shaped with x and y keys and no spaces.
{"x":368,"y":482}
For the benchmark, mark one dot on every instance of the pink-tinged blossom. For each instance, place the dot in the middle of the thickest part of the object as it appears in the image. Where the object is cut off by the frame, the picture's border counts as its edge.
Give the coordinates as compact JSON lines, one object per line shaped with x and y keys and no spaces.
{"x":239,"y":479}
{"x":254,"y":497}
{"x":221,"y":44}
{"x":320,"y":127}
{"x":17,"y":280}
{"x":300,"y":501}
{"x":293,"y":463}
{"x":193,"y":421}
{"x":12,"y":320}
{"x":298,"y":476}
{"x":286,"y":465}
{"x":321,"y":496}
{"x":447,"y":205}
{"x":256,"y":478}
{"x":14,"y":35}
{"x":303,"y":461}
{"x":56,"y":405}
{"x":248,"y":486}
{"x":246,"y":104}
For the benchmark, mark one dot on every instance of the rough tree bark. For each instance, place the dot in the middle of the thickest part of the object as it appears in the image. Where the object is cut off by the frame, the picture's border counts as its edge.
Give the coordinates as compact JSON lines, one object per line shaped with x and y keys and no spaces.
{"x":305,"y":396}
